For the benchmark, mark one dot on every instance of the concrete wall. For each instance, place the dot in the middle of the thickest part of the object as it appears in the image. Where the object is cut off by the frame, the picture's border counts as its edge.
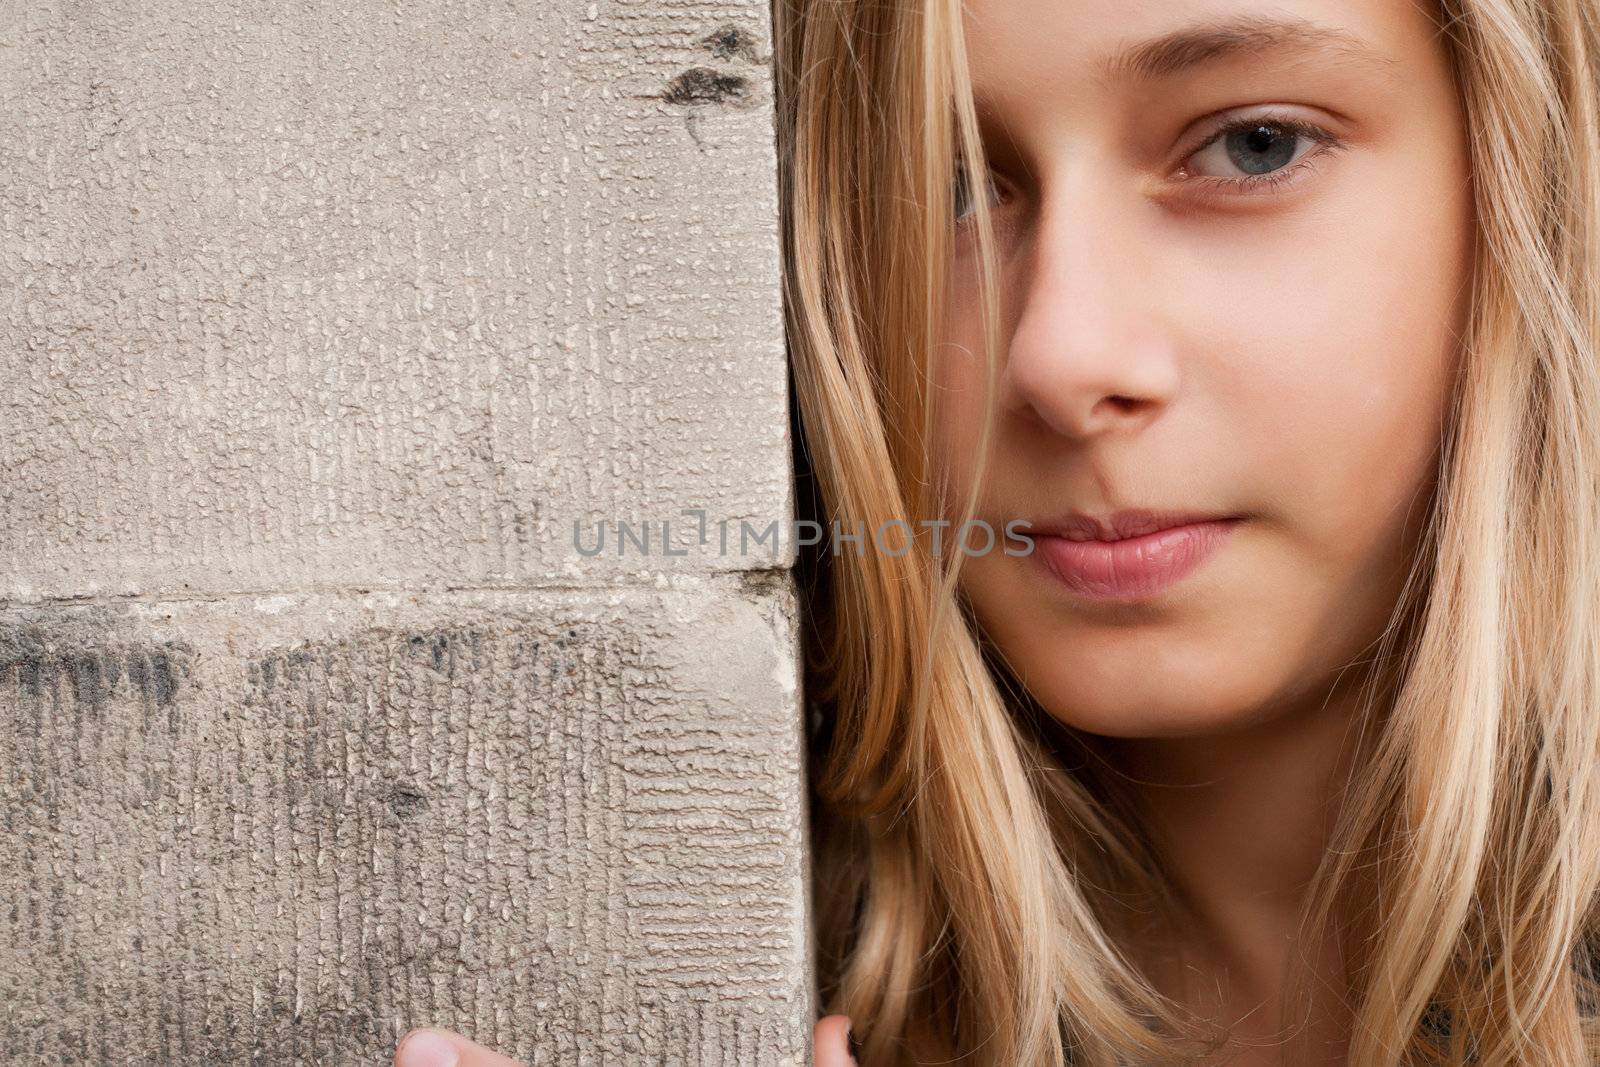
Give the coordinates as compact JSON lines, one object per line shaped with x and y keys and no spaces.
{"x":320,"y":327}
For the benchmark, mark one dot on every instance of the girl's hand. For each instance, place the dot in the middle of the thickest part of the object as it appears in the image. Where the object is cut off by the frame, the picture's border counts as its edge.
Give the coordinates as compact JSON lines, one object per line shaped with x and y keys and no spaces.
{"x":443,"y":1048}
{"x":830,"y":1043}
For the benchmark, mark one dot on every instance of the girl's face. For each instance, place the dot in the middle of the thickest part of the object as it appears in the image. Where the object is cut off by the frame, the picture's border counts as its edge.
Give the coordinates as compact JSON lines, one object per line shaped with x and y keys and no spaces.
{"x":1234,"y":241}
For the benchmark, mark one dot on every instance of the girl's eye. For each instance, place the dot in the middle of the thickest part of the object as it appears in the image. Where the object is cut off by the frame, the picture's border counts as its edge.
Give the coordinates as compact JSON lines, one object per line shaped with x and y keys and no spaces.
{"x":1248,"y":154}
{"x":961,"y":195}
{"x":1245,"y":155}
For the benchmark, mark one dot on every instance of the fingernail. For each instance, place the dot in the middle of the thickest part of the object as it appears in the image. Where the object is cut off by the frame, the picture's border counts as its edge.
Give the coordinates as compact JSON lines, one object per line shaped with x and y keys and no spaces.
{"x":424,"y":1048}
{"x":854,"y":1045}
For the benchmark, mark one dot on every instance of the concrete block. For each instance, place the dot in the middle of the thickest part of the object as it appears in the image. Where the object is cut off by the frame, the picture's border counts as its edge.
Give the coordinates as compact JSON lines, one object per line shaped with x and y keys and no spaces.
{"x":325,"y":296}
{"x":283,"y":830}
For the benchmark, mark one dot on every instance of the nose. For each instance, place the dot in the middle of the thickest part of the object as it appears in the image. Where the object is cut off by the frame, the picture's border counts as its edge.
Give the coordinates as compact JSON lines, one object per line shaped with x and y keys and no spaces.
{"x":1090,"y":355}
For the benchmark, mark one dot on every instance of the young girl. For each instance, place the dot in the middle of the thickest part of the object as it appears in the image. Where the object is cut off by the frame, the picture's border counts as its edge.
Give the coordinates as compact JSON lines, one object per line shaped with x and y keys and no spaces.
{"x":1274,"y":328}
{"x":1313,"y":776}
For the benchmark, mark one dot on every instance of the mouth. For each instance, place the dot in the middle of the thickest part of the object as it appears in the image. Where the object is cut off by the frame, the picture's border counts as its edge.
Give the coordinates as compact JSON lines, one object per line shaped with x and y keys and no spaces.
{"x":1128,"y":556}
{"x":1121,"y":525}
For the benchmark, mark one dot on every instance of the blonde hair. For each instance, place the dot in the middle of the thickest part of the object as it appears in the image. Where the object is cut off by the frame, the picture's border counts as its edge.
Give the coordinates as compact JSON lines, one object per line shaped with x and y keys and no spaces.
{"x":975,"y":878}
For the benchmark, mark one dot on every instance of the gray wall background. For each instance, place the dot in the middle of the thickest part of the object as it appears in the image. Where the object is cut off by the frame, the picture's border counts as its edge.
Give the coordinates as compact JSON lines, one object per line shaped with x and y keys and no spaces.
{"x":320,"y":327}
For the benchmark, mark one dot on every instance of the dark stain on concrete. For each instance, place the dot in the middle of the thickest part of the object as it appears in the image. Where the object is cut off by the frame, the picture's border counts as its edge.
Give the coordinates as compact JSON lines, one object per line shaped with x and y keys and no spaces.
{"x":442,"y":649}
{"x":30,"y":669}
{"x":704,"y":85}
{"x":764,"y":584}
{"x":406,"y":800}
{"x":90,"y":680}
{"x":525,"y":521}
{"x":727,"y":42}
{"x":83,"y":654}
{"x":436,"y":649}
{"x":155,"y":674}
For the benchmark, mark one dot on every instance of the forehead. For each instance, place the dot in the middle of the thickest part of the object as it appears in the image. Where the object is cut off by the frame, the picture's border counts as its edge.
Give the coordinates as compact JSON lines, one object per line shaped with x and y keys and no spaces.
{"x":1034,"y":50}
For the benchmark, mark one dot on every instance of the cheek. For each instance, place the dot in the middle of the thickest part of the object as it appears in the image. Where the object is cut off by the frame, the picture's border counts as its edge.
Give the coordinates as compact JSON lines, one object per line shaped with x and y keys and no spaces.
{"x":1342,"y":392}
{"x":961,"y":390}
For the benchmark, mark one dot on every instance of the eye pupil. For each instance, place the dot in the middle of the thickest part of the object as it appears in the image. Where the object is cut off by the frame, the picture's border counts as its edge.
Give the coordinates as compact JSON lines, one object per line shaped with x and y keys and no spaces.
{"x":1260,"y":149}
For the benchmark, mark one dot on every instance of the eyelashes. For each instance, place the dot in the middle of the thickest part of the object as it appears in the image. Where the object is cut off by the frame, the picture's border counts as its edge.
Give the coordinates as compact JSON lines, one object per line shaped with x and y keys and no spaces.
{"x":1261,"y":135}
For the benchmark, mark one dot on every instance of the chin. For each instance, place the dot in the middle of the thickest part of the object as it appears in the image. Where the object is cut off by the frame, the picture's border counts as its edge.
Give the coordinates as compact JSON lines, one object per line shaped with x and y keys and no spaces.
{"x":1157,"y":707}
{"x":1130,"y":723}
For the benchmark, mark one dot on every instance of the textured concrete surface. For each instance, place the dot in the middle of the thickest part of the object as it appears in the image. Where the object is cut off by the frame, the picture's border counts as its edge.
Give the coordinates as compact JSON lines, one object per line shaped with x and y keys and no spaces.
{"x":377,"y":295}
{"x":320,"y":328}
{"x":279,"y":830}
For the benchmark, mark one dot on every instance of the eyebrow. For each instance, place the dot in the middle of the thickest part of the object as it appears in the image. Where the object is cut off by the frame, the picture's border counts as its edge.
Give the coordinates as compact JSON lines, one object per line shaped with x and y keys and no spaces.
{"x":1210,"y":42}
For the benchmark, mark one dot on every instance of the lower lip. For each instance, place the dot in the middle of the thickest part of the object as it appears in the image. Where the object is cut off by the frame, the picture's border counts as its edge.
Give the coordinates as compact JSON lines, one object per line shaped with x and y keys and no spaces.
{"x":1135,"y":567}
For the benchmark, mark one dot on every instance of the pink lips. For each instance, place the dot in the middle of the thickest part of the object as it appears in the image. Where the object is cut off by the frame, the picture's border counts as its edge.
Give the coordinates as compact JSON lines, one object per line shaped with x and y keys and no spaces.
{"x":1131,"y":567}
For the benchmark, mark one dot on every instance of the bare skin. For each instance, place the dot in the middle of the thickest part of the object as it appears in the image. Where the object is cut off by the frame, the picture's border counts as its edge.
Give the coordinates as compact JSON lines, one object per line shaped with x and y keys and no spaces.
{"x":1187,"y":325}
{"x":1177,"y":336}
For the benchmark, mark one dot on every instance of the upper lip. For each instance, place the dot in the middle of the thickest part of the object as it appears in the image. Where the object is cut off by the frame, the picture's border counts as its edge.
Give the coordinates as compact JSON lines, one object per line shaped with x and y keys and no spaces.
{"x":1118,"y":526}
